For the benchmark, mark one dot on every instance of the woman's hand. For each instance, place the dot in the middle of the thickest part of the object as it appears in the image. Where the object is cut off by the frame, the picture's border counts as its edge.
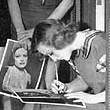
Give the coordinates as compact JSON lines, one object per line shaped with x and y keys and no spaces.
{"x":27,"y":43}
{"x":58,"y":87}
{"x":24,"y":37}
{"x":85,"y":97}
{"x":25,"y":34}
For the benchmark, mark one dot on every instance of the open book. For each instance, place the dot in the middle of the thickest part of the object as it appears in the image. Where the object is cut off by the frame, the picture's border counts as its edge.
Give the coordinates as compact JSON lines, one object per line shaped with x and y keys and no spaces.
{"x":42,"y":96}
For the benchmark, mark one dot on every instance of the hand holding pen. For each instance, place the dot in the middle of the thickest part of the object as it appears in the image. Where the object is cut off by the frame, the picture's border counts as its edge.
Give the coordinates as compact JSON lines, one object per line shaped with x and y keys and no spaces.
{"x":58,"y":87}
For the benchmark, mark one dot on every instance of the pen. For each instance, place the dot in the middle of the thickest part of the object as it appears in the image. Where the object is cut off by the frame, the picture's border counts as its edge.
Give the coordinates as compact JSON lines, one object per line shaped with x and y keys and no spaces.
{"x":73,"y":66}
{"x":56,"y":73}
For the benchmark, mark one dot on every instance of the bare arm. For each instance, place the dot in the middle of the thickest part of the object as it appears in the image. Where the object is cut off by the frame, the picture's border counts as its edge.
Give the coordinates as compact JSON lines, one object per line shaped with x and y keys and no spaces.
{"x":88,"y":98}
{"x":100,"y":97}
{"x":50,"y":73}
{"x":76,"y":85}
{"x":15,"y":14}
{"x":62,"y":9}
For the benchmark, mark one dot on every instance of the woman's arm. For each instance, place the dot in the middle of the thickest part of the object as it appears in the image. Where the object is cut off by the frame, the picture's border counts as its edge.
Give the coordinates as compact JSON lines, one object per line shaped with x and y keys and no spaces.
{"x":87,"y":98}
{"x":76,"y":85}
{"x":62,"y":9}
{"x":16,"y":14}
{"x":50,"y":73}
{"x":100,"y":97}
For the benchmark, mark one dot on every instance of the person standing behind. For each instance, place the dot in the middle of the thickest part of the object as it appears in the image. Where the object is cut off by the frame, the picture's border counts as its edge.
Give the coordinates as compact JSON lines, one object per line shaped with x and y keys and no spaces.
{"x":26,"y":14}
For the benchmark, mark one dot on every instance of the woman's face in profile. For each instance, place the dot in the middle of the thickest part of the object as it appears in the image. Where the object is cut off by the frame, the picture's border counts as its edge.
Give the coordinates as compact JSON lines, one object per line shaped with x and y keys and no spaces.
{"x":54,"y":54}
{"x":21,"y":57}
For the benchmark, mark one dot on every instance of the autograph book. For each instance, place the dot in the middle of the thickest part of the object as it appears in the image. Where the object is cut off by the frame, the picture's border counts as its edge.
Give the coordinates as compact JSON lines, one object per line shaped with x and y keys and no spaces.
{"x":41,"y":96}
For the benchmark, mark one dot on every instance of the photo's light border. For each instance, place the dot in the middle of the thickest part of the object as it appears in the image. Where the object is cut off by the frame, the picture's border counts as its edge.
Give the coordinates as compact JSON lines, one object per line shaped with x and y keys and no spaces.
{"x":5,"y":50}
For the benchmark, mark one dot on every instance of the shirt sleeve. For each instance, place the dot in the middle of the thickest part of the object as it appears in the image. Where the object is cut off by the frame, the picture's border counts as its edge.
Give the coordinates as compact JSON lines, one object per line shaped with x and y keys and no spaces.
{"x":99,"y":50}
{"x":88,"y":67}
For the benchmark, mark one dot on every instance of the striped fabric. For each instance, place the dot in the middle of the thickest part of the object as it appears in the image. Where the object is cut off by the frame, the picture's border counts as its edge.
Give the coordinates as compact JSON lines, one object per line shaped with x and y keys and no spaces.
{"x":88,"y":42}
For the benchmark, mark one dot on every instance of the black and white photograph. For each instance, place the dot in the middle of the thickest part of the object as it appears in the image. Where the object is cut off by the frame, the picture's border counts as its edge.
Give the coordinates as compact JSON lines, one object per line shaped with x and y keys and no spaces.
{"x":54,"y":54}
{"x":13,"y":66}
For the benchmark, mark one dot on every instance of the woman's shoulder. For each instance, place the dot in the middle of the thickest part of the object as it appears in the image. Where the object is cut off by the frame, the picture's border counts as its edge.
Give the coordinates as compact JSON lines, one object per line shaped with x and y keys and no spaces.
{"x":101,"y":36}
{"x":99,"y":45}
{"x":100,"y":40}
